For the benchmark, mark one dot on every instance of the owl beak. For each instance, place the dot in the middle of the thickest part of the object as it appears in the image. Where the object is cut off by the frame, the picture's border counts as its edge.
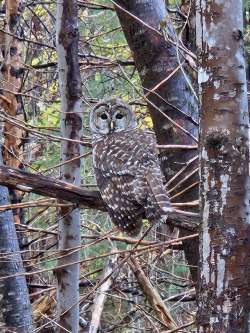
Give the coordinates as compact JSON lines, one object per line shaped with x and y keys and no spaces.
{"x":111,"y":126}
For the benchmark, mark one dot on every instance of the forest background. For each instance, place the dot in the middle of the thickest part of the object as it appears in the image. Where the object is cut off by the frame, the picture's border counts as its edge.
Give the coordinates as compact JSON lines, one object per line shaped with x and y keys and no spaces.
{"x":144,"y":52}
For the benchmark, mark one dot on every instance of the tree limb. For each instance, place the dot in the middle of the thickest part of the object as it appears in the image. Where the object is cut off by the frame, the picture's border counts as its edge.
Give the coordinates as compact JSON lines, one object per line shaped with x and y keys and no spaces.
{"x":85,"y":198}
{"x":101,"y":295}
{"x":50,"y":187}
{"x":152,"y":294}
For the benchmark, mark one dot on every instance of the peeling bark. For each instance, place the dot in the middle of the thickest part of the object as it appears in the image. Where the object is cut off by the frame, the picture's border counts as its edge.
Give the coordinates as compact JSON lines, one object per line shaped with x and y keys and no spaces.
{"x":224,"y":286}
{"x":11,"y":77}
{"x":15,"y":305}
{"x":71,"y":127}
{"x":155,"y":59}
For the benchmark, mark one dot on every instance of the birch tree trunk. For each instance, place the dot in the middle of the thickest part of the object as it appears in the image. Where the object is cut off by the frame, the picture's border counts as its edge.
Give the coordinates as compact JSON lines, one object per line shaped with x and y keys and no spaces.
{"x":224,"y":286}
{"x":156,"y":58}
{"x":71,"y":127}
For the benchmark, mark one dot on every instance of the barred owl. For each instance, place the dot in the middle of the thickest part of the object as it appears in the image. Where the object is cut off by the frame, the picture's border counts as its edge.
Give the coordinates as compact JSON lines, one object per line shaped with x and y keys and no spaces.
{"x":126,"y":167}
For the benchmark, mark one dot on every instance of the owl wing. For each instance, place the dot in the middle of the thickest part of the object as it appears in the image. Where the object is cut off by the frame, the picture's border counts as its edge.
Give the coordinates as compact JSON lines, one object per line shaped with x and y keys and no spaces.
{"x":129,"y":177}
{"x":153,"y":193}
{"x":158,"y":192}
{"x":150,"y":190}
{"x":116,"y":193}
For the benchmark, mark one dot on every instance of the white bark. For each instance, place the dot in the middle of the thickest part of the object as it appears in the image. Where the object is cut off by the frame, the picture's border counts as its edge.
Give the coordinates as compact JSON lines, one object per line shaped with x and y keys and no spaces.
{"x":101,"y":296}
{"x":223,"y":301}
{"x":71,"y":127}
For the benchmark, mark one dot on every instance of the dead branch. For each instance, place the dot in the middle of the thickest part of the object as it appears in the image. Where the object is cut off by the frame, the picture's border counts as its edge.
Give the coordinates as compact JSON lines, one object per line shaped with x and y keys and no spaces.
{"x":152,"y":294}
{"x":51,"y":187}
{"x":185,"y":296}
{"x":34,"y":203}
{"x":180,"y":327}
{"x":130,"y":252}
{"x":101,"y":296}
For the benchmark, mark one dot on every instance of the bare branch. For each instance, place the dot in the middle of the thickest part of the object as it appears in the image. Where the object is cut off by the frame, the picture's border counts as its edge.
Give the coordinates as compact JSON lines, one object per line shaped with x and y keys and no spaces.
{"x":50,"y":187}
{"x":54,"y":188}
{"x":152,"y":295}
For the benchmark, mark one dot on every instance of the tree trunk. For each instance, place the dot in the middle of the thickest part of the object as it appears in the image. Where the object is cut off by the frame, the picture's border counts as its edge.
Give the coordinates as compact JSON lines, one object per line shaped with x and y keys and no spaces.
{"x":15,"y":303}
{"x":71,"y":127}
{"x":155,"y":59}
{"x":224,"y":286}
{"x":12,"y":73}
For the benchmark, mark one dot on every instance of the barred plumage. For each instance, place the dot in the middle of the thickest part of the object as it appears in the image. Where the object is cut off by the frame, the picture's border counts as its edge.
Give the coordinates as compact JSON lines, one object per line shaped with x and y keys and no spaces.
{"x":126,"y":166}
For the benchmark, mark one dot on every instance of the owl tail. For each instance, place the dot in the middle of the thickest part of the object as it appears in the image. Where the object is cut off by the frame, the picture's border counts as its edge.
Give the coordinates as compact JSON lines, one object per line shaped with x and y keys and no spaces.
{"x":159,"y":192}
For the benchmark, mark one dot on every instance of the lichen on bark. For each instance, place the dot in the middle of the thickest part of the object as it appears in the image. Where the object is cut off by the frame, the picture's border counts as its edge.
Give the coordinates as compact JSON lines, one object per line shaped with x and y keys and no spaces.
{"x":223,"y":298}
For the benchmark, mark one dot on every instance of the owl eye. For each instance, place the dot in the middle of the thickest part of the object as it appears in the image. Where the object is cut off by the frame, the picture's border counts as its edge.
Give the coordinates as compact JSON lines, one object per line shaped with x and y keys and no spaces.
{"x":104,"y":116}
{"x":119,"y":116}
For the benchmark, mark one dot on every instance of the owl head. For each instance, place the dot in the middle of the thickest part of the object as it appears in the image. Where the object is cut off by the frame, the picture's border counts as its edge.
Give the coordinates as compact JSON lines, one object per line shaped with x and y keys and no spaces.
{"x":110,"y":116}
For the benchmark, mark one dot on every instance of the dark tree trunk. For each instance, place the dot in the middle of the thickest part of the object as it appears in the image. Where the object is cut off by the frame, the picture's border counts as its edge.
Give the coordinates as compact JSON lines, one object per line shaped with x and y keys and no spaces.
{"x":224,"y":286}
{"x":15,"y":303}
{"x":155,"y":60}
